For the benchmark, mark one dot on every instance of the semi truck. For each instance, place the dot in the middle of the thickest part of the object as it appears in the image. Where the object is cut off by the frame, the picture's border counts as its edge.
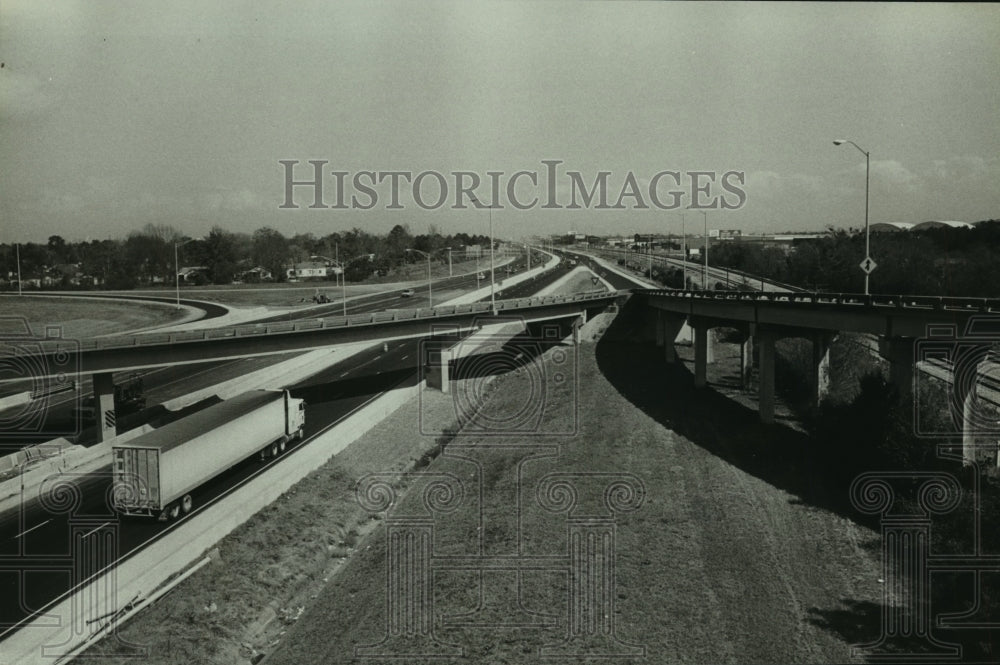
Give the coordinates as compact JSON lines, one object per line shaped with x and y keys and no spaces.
{"x":154,"y":474}
{"x":129,"y":398}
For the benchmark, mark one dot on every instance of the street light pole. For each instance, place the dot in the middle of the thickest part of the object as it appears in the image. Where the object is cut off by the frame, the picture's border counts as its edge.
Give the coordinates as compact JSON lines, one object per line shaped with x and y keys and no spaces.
{"x":867,"y":187}
{"x":493,"y":302}
{"x":18,"y":249}
{"x":430,"y":292}
{"x":684,"y":249}
{"x":704,"y":270}
{"x":649,"y":248}
{"x":177,"y":277}
{"x":338,"y":264}
{"x":177,"y":270}
{"x":493,"y":297}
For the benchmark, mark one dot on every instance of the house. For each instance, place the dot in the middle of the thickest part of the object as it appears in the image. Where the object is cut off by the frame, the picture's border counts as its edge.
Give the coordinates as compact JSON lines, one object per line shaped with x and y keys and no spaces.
{"x":62,"y":274}
{"x":256,"y":274}
{"x":311,"y":270}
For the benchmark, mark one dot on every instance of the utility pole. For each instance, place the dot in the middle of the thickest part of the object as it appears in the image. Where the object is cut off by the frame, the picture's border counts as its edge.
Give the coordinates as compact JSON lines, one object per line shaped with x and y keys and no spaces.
{"x":684,"y":250}
{"x":649,"y":248}
{"x":704,"y":270}
{"x":18,"y":246}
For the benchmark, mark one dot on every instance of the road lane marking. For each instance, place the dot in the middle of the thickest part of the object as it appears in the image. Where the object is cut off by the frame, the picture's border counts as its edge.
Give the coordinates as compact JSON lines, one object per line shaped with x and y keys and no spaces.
{"x":23,"y":533}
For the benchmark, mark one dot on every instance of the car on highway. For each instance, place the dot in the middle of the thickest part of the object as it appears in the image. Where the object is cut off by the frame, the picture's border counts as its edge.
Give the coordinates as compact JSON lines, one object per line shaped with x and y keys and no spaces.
{"x":408,"y":293}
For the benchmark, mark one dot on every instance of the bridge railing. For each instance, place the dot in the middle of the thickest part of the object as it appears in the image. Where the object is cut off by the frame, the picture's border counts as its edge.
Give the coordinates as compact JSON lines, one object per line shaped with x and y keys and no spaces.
{"x":693,"y":266}
{"x":978,"y":305}
{"x":332,"y":322}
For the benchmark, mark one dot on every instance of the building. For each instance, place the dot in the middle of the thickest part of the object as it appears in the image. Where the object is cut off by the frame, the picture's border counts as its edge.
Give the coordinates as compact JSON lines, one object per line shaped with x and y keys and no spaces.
{"x":923,"y":226}
{"x":257,"y":274}
{"x":312,"y":270}
{"x":62,"y":274}
{"x":890,"y":227}
{"x":473,"y":251}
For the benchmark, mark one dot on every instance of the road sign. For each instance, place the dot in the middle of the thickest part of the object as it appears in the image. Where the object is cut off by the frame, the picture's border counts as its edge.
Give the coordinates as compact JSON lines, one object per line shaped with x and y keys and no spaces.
{"x":868,"y":265}
{"x":596,"y":280}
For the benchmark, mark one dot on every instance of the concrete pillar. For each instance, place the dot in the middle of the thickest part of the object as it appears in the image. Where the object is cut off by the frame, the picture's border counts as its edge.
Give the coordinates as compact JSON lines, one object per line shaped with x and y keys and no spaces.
{"x":701,"y":350}
{"x":437,"y":357}
{"x":899,"y":351}
{"x":104,"y":406}
{"x":765,"y":389}
{"x":968,"y":428}
{"x":820,"y":382}
{"x":746,"y":361}
{"x":670,"y":326}
{"x":964,"y":391}
{"x":578,"y":323}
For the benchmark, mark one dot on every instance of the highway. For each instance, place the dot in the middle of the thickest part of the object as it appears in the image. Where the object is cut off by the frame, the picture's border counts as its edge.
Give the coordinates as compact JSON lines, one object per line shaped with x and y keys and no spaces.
{"x":162,"y":384}
{"x":731,"y":278}
{"x":331,"y":396}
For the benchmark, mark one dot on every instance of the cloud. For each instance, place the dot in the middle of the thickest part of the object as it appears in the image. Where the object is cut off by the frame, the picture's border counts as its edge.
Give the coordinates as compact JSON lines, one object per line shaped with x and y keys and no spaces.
{"x":232,"y":199}
{"x":770,"y":185}
{"x":24,"y":95}
{"x":894,"y":173}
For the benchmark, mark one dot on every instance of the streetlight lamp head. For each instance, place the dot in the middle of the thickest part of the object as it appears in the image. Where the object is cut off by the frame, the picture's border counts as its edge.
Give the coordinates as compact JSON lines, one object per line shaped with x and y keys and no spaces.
{"x":839,"y":142}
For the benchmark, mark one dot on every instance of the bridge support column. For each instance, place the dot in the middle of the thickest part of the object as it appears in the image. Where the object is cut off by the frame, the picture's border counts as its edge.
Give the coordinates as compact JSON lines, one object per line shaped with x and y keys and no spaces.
{"x":765,"y":384}
{"x":820,"y":383}
{"x":437,"y":356}
{"x":667,"y":330}
{"x":964,"y":391}
{"x":104,"y":406}
{"x":899,"y":351}
{"x":746,"y":359}
{"x":702,"y":353}
{"x":578,"y":323}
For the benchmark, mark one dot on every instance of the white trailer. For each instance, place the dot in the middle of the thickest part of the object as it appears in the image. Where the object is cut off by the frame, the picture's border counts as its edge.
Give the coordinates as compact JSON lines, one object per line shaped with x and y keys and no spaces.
{"x":154,"y":474}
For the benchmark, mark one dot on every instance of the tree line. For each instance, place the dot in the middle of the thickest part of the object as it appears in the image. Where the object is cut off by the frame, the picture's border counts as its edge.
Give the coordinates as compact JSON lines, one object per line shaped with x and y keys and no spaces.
{"x":934,"y":262}
{"x":147,"y":256}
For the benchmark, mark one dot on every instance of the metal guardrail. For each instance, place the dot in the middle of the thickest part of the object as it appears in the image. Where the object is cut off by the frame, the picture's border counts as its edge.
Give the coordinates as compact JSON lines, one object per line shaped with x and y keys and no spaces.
{"x":333,"y":322}
{"x":929,"y":303}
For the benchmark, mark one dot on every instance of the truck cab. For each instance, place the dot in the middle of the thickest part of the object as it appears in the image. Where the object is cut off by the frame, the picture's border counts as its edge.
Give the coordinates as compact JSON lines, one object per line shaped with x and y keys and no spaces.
{"x":129,"y":398}
{"x":296,"y":421}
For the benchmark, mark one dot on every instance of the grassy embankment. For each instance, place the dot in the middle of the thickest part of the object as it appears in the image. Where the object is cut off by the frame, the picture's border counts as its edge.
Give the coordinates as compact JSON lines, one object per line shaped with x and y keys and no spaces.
{"x":81,"y":318}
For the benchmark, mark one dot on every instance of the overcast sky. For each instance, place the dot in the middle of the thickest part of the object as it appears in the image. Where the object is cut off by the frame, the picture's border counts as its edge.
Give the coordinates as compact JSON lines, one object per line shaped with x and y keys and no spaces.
{"x":115,"y":115}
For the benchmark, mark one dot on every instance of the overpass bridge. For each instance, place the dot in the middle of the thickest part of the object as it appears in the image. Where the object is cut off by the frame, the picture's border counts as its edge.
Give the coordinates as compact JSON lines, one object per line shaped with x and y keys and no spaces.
{"x":55,"y":358}
{"x":951,"y":332}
